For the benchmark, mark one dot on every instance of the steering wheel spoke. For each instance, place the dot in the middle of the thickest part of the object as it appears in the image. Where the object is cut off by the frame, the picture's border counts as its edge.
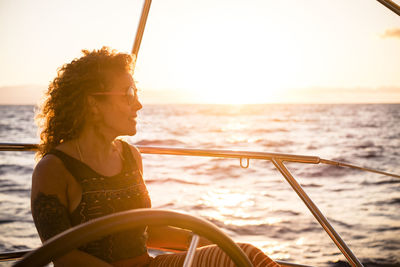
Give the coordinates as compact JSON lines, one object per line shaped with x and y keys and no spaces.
{"x":191,"y":251}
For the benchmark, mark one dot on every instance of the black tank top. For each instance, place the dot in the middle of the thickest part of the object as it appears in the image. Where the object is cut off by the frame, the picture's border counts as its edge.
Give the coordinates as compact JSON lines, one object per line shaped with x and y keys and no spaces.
{"x":104,"y":195}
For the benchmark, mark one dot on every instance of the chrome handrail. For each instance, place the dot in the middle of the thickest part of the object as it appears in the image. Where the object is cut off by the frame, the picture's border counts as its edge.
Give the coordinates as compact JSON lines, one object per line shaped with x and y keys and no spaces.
{"x":18,"y":147}
{"x":323,"y":221}
{"x":276,"y":158}
{"x":391,"y":5}
{"x":219,"y":153}
{"x":254,"y":155}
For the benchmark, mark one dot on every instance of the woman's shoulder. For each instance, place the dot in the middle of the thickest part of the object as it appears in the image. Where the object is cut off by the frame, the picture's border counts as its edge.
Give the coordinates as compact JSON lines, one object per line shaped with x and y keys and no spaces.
{"x":50,"y":163}
{"x":135,"y":152}
{"x":49,"y":174}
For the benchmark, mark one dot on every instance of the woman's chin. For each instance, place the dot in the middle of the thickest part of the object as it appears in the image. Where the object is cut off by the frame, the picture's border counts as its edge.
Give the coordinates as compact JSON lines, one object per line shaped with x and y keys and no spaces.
{"x":132,"y":131}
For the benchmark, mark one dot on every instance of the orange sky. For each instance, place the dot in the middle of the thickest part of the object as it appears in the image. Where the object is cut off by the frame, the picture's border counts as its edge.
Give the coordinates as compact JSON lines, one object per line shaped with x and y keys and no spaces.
{"x":241,"y":51}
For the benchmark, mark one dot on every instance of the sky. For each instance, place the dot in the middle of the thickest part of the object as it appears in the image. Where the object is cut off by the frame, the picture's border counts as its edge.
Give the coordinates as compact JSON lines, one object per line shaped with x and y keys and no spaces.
{"x":212,"y":51}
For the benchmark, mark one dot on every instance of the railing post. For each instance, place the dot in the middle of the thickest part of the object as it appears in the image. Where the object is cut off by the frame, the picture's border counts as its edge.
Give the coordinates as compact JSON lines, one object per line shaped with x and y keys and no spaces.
{"x":317,"y":213}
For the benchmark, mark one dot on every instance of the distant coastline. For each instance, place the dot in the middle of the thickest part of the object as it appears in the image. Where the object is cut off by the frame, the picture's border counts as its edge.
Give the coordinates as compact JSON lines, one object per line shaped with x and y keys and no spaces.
{"x":32,"y":94}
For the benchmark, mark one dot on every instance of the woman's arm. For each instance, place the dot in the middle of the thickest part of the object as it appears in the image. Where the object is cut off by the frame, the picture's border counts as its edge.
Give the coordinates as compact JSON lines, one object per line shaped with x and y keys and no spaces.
{"x":165,"y":237}
{"x":49,"y":205}
{"x":49,"y":199}
{"x":171,"y":238}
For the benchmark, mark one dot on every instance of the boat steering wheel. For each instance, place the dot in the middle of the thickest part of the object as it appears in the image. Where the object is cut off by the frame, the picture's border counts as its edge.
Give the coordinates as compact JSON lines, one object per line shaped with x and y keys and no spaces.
{"x":62,"y":243}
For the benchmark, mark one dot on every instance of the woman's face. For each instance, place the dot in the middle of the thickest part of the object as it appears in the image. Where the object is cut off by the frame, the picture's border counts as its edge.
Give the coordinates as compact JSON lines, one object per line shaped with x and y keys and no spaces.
{"x":119,"y":108}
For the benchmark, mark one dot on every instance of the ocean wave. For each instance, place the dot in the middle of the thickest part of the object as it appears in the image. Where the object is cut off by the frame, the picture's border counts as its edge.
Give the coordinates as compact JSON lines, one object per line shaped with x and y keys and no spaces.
{"x":222,"y":168}
{"x":312,"y":147}
{"x":341,"y":223}
{"x":6,"y":128}
{"x":7,"y":183}
{"x":268,"y":130}
{"x":359,"y":237}
{"x":327,"y":171}
{"x":160,"y":142}
{"x":260,"y":225}
{"x":286,"y":212}
{"x":6,"y":221}
{"x":170,"y":180}
{"x":365,"y":124}
{"x":312,"y":185}
{"x":286,"y":120}
{"x":195,"y":167}
{"x":19,"y":247}
{"x":337,"y":190}
{"x":394,"y":136}
{"x":394,"y":201}
{"x":279,"y":143}
{"x":369,"y":153}
{"x":379,"y":262}
{"x":168,"y":205}
{"x":251,"y":229}
{"x":14,"y":168}
{"x":24,"y":191}
{"x":367,"y":150}
{"x":383,"y":182}
{"x":388,"y":228}
{"x":14,"y":129}
{"x":364,"y":144}
{"x":199,"y":207}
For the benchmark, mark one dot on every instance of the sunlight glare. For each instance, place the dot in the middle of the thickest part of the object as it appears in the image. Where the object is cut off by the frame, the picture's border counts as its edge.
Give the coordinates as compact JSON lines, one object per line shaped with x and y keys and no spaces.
{"x":266,"y":221}
{"x":224,"y":198}
{"x":231,"y":208}
{"x":300,"y":241}
{"x":222,"y":72}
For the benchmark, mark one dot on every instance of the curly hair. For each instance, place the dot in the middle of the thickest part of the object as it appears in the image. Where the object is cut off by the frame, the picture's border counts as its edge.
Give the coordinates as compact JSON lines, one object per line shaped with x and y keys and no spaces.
{"x":63,"y":113}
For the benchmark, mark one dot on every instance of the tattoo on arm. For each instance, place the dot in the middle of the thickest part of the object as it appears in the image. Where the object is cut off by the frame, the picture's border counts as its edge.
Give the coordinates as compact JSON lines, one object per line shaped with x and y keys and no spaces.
{"x":51,"y":217}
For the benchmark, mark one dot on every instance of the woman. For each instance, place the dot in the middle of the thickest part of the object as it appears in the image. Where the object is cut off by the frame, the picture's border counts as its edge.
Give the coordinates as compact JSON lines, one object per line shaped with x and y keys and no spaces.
{"x":85,"y":172}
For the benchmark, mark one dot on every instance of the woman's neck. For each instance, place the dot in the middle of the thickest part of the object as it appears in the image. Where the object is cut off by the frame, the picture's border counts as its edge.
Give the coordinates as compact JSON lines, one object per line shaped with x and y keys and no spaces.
{"x":93,"y":146}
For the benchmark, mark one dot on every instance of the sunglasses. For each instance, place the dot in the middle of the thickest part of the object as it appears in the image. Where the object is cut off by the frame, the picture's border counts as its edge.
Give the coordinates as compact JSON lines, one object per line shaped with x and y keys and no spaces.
{"x":131,"y":94}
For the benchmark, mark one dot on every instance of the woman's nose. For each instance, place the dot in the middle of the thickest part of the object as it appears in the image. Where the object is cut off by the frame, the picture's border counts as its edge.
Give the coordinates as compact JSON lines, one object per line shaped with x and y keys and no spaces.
{"x":137,"y":105}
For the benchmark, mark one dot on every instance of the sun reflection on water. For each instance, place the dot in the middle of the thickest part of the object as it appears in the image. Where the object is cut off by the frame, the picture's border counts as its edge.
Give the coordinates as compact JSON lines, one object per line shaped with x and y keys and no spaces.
{"x":233,"y":126}
{"x":241,"y":138}
{"x":237,"y":132}
{"x":226,"y":204}
{"x":232,"y":208}
{"x":239,"y":222}
{"x":226,"y":198}
{"x":300,"y":241}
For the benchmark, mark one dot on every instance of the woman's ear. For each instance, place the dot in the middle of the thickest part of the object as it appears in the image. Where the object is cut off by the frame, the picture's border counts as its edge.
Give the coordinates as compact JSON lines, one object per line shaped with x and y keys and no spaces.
{"x":93,"y":105}
{"x":94,"y":114}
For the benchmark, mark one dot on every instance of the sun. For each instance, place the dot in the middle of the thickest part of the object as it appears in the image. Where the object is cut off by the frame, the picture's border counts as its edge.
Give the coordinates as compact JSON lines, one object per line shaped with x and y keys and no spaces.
{"x":232,"y":61}
{"x":219,"y":74}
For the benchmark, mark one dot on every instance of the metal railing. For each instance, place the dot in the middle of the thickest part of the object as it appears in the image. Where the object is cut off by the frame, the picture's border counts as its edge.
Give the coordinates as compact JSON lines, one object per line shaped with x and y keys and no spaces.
{"x":391,"y":5}
{"x":277,"y":159}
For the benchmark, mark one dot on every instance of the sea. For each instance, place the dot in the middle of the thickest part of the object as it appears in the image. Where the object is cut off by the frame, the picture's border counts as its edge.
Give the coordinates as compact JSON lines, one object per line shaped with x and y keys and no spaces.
{"x":254,"y":204}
